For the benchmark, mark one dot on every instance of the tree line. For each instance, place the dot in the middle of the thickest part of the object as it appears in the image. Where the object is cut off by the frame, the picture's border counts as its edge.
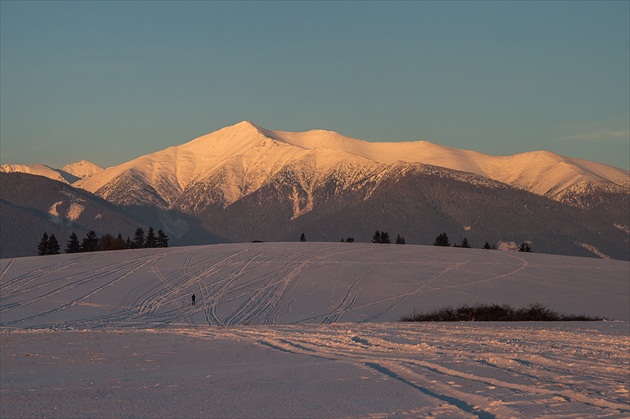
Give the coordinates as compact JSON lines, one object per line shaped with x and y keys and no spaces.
{"x":49,"y":245}
{"x":442,"y":239}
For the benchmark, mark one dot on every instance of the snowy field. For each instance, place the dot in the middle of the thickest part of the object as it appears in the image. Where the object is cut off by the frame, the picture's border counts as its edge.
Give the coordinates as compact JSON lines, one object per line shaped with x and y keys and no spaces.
{"x":309,"y":330}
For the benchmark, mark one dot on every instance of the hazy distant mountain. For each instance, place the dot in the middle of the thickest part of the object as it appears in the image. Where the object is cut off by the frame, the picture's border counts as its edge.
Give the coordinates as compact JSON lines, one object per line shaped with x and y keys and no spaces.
{"x":31,"y":205}
{"x":40,"y":170}
{"x":82,"y":169}
{"x":69,"y":173}
{"x":246,"y":183}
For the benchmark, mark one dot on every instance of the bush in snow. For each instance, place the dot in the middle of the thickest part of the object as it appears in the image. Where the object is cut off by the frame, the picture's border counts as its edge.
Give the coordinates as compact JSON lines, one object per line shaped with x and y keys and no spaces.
{"x":494,"y":313}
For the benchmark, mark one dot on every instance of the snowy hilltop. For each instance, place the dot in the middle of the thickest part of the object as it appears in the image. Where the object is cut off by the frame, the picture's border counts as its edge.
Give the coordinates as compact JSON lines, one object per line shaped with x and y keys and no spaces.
{"x":308,"y":330}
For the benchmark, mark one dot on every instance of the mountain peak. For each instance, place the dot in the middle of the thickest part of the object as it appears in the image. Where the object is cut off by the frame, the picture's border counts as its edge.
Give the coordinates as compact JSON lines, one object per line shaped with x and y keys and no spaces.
{"x":82,"y":168}
{"x":245,"y":125}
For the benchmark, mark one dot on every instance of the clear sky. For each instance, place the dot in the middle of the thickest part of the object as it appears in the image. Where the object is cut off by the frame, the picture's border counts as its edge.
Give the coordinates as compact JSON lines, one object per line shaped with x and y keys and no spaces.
{"x":110,"y":81}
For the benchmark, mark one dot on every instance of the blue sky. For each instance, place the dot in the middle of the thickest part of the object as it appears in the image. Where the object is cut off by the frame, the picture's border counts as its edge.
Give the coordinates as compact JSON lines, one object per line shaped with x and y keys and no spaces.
{"x":110,"y":81}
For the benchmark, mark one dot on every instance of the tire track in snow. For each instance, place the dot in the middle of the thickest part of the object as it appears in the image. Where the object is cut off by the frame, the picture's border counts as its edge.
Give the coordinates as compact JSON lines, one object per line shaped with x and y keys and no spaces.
{"x":398,"y":299}
{"x":266,"y":300}
{"x":437,"y":390}
{"x":4,"y":272}
{"x":85,"y":296}
{"x":351,"y":296}
{"x":214,"y":294}
{"x":402,"y":297}
{"x":340,"y":348}
{"x":174,"y":289}
{"x":12,"y":286}
{"x":473,"y":390}
{"x":523,"y":266}
{"x":66,"y":283}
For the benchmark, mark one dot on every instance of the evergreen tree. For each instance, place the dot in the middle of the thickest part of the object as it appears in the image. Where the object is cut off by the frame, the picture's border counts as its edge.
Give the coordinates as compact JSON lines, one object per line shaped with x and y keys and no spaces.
{"x":524,"y":247}
{"x":400,"y":239}
{"x":350,"y":240}
{"x":162,"y":239}
{"x":302,"y":238}
{"x":138,"y":239}
{"x":488,"y":246}
{"x":73,"y":245}
{"x":89,"y":242}
{"x":53,"y":246}
{"x":151,"y":240}
{"x":42,"y":247}
{"x":442,"y":240}
{"x":381,"y":237}
{"x":465,"y":243}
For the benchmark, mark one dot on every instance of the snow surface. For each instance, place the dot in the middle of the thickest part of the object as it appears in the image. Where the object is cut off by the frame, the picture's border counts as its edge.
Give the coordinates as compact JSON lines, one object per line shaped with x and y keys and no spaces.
{"x":308,"y":330}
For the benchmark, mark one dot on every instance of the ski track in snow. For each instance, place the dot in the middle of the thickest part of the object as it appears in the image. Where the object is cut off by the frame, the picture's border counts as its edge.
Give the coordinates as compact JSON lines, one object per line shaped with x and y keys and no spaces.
{"x":498,"y":375}
{"x":235,"y":285}
{"x":291,"y":298}
{"x":447,"y":383}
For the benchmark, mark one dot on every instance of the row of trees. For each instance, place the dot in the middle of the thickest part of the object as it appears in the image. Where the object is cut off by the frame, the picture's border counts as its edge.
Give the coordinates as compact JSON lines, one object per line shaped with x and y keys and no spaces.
{"x":383,"y":238}
{"x":49,"y":245}
{"x":443,"y":240}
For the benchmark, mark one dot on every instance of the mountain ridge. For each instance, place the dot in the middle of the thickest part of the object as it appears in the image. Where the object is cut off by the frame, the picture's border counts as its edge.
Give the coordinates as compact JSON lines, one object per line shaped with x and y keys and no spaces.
{"x":244,"y":182}
{"x":541,"y":172}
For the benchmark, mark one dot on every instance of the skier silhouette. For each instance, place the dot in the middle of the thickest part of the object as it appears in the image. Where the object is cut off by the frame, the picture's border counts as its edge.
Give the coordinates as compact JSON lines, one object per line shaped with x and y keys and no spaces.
{"x":193,"y":299}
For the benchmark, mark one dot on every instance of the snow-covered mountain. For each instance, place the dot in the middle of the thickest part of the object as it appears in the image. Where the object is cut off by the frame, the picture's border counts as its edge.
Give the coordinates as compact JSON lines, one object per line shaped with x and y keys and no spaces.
{"x":82,"y":169}
{"x":244,"y":183}
{"x":237,"y":160}
{"x":69,"y":173}
{"x":40,"y":170}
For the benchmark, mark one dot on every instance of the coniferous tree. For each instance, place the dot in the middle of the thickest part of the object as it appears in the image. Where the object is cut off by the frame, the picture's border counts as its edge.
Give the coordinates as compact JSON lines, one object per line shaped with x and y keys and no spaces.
{"x":53,"y":246}
{"x":350,"y":240}
{"x":400,"y":239}
{"x":138,"y":239}
{"x":89,"y":242}
{"x":442,"y":240}
{"x":73,"y":245}
{"x":150,"y":241}
{"x":488,"y":246}
{"x":162,"y":239}
{"x":465,"y":243}
{"x":42,"y":247}
{"x":302,"y":238}
{"x":381,"y":237}
{"x":524,"y":247}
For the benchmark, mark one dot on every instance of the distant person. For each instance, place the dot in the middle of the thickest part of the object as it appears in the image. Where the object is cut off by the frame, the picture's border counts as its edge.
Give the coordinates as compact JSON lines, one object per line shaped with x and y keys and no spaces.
{"x":193,"y":299}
